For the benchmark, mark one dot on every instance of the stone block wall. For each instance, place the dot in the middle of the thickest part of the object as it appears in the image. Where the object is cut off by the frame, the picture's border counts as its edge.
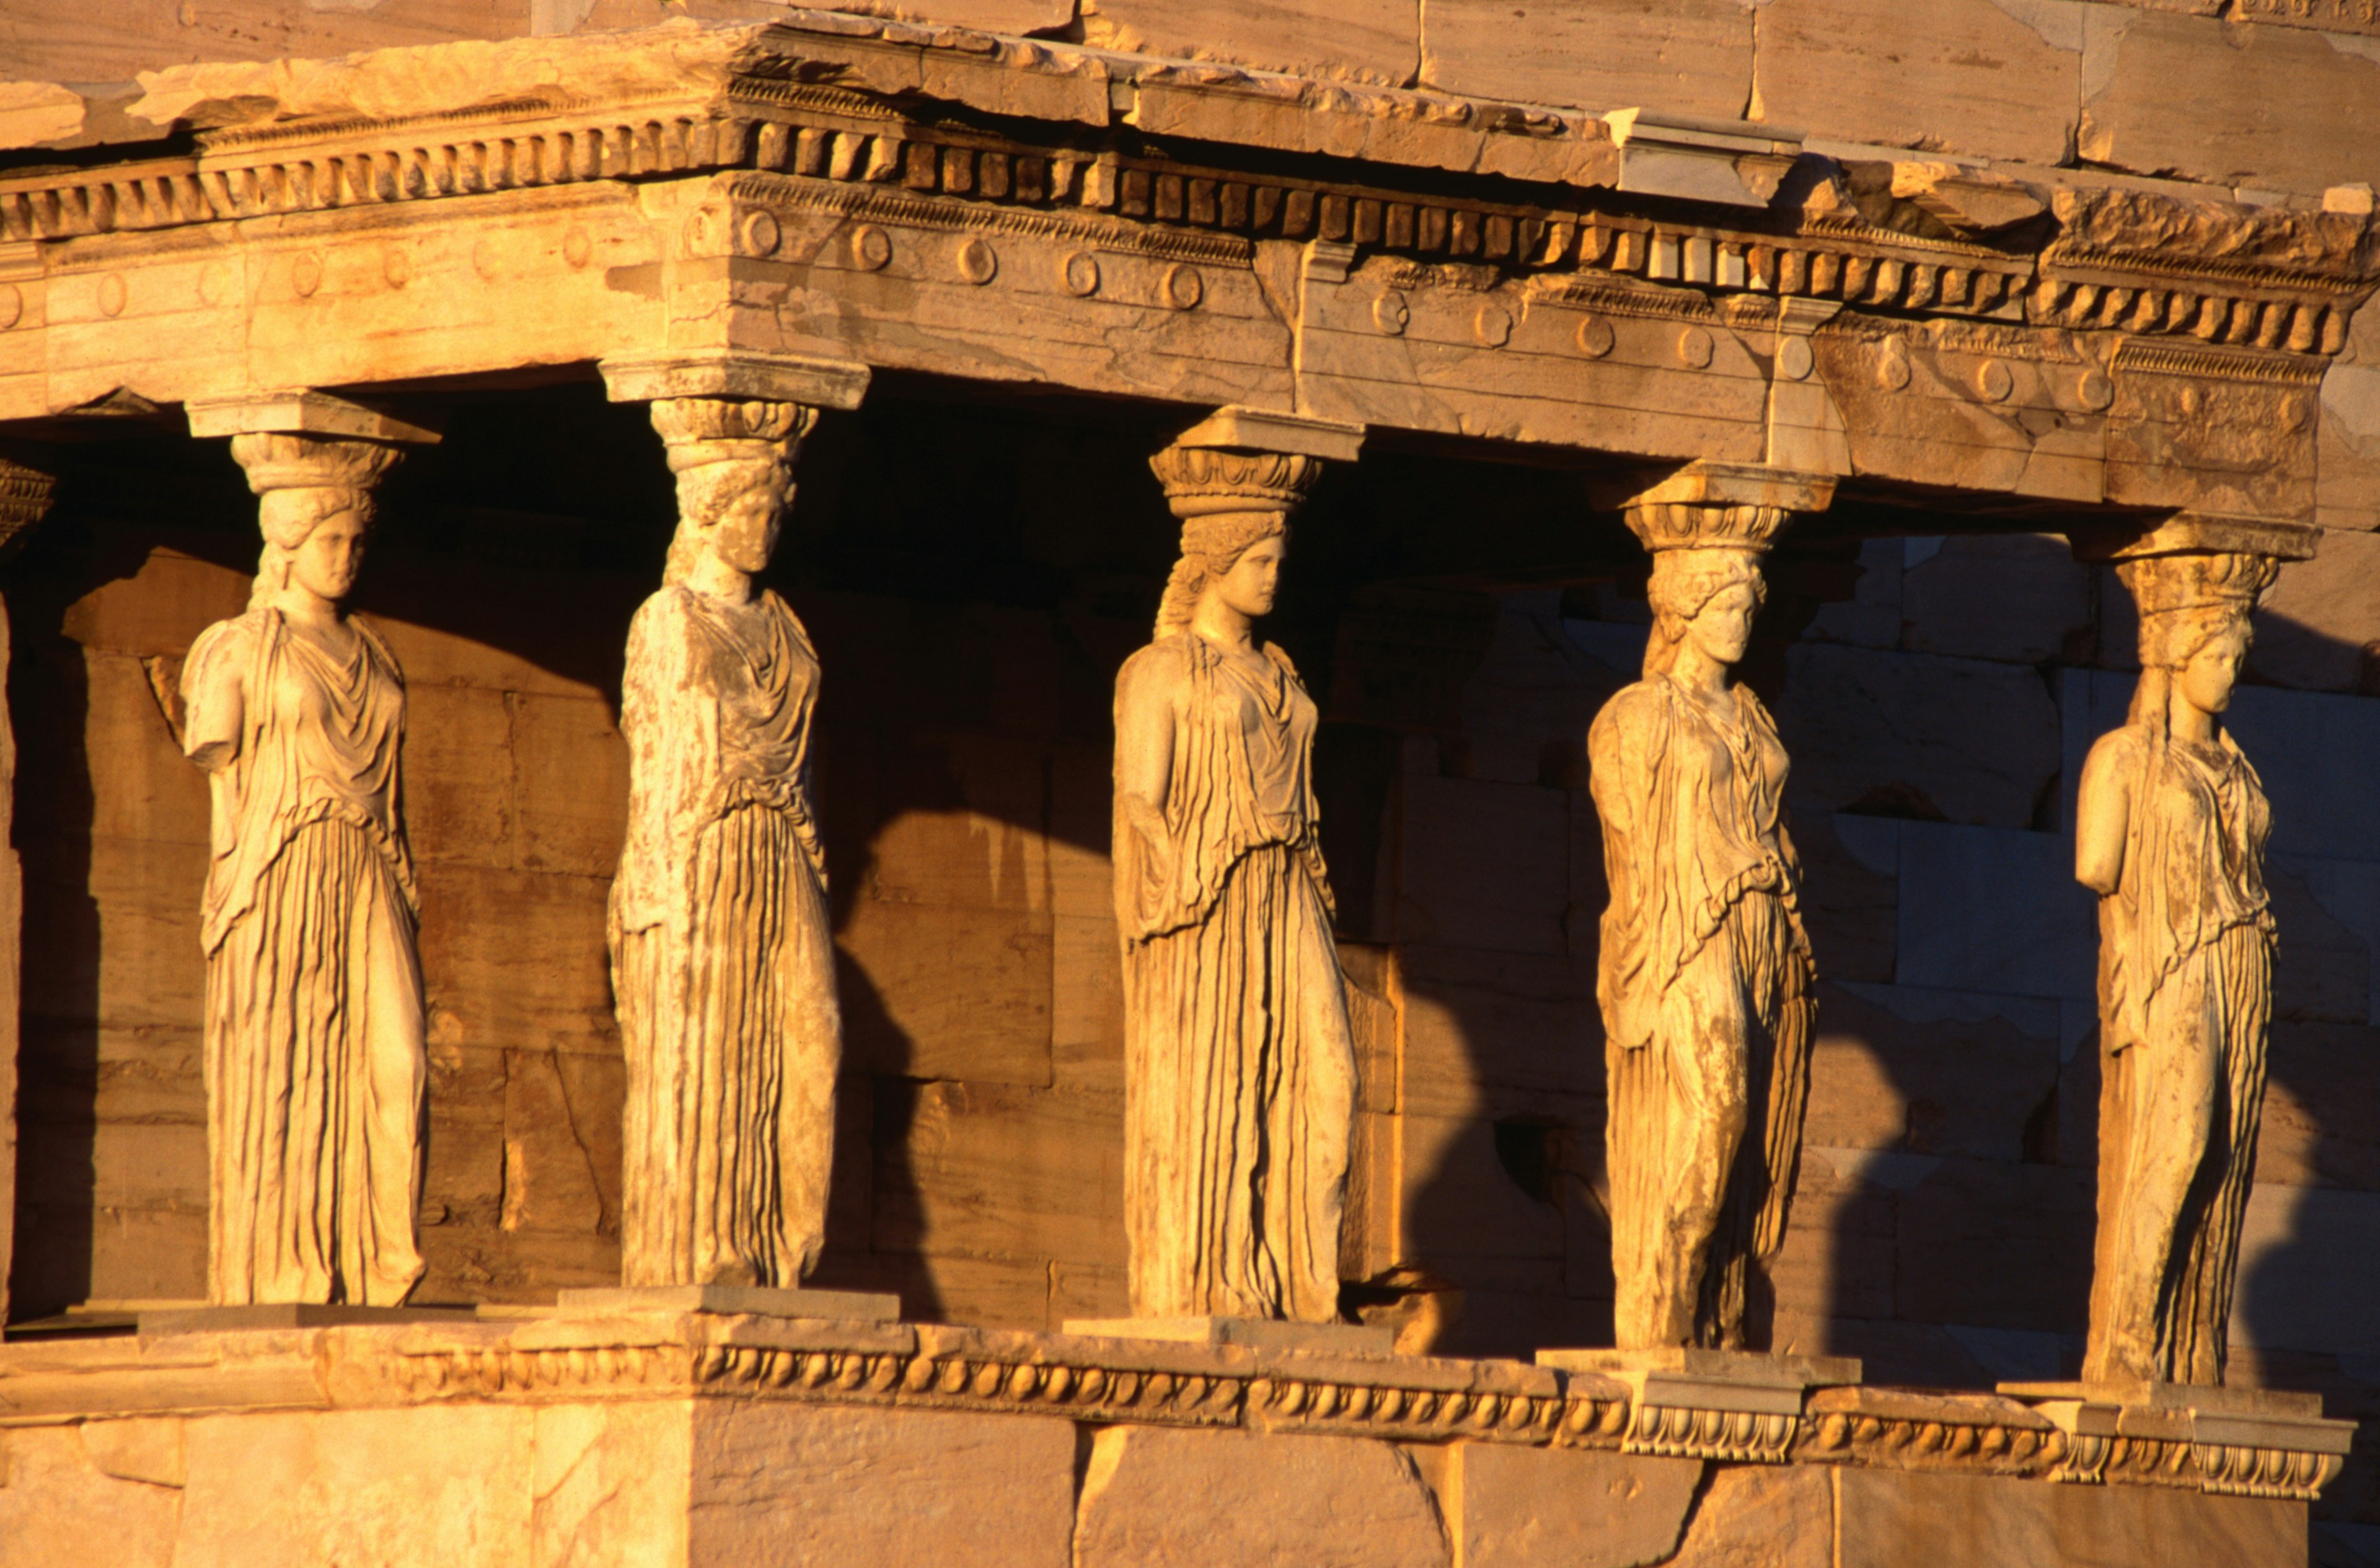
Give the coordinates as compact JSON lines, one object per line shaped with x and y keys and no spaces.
{"x":972,"y":574}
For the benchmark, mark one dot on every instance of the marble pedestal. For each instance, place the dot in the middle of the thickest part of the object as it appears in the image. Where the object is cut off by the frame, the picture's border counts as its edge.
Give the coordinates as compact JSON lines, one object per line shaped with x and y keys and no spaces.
{"x":706,"y":1440}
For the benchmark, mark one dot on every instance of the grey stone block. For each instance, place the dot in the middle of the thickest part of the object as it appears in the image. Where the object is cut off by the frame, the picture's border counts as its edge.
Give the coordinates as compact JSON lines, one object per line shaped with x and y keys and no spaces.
{"x":1994,"y":909}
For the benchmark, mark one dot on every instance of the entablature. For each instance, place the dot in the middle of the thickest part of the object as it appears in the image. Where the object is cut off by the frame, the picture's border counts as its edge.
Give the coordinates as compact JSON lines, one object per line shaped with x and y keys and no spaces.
{"x":841,"y":186}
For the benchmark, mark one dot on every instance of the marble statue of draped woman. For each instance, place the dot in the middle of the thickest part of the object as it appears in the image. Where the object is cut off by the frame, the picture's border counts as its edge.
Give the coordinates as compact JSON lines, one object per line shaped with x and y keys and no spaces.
{"x":2172,"y":822}
{"x":1705,"y":972}
{"x":1240,"y":1060}
{"x":315,"y":1062}
{"x":722,"y":957}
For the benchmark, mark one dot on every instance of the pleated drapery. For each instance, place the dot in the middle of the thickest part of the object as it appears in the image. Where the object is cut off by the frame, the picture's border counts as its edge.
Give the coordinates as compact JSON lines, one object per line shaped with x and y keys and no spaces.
{"x":1705,"y":984}
{"x":722,"y":959}
{"x":314,"y":1064}
{"x":1239,"y":1059}
{"x":2185,"y":983}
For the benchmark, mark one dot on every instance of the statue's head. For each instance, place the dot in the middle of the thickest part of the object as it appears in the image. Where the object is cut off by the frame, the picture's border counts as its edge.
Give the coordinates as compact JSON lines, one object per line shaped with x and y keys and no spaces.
{"x":1236,"y":557}
{"x":315,"y":508}
{"x":1235,"y":509}
{"x":1707,"y":595}
{"x":734,"y":460}
{"x":2194,"y":625}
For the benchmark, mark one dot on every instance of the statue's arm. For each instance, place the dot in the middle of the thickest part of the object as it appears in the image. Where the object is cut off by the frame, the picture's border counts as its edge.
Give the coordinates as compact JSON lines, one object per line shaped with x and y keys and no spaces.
{"x":1144,"y":770}
{"x":215,"y":697}
{"x":1621,"y":752}
{"x":2103,"y":813}
{"x":671,"y":759}
{"x":1144,"y":757}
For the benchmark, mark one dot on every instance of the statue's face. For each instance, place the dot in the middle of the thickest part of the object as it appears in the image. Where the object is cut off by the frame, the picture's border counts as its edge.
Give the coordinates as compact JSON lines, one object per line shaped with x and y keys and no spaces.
{"x":745,"y":534}
{"x":1253,"y":580}
{"x":2213,"y":670}
{"x":1723,"y":628}
{"x":327,"y":564}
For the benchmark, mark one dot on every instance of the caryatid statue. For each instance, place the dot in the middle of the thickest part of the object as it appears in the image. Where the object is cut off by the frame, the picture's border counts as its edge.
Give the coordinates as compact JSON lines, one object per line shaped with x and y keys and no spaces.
{"x":1705,"y":975}
{"x":315,"y":1063}
{"x":2169,"y":832}
{"x":722,"y":958}
{"x":1239,"y":1060}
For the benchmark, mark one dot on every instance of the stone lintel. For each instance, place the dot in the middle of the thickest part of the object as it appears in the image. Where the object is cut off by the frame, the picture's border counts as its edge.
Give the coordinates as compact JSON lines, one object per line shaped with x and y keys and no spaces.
{"x":841,"y":1305}
{"x":305,"y":413}
{"x":1259,"y":430}
{"x":2196,"y":532}
{"x":1262,"y":1333}
{"x":735,"y":372}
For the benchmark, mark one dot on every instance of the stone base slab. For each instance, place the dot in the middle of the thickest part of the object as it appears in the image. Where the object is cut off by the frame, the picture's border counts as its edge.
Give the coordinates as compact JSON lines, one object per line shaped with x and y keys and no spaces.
{"x":669,"y":1440}
{"x":838,"y":1306}
{"x":703,"y":1441}
{"x":1264,"y":1333}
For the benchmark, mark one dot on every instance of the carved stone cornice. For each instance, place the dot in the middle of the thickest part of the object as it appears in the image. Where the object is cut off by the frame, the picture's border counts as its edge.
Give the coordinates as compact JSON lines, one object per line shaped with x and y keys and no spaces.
{"x":528,"y":1356}
{"x":2159,"y":266}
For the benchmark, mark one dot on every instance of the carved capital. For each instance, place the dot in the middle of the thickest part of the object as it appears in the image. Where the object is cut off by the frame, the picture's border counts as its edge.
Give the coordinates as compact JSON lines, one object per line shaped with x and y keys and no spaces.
{"x":1707,"y":505}
{"x":732,"y":420}
{"x":738,"y":374}
{"x":698,"y":432}
{"x":310,"y":439}
{"x":305,"y":413}
{"x":2191,"y":571}
{"x":25,"y":495}
{"x":277,"y":460}
{"x":1249,"y":460}
{"x":2194,"y":532}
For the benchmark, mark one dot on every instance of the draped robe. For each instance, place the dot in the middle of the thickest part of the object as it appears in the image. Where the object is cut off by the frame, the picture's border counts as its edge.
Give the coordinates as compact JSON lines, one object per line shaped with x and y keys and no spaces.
{"x":722,"y":959}
{"x":1239,"y":1060}
{"x":315,"y":1057}
{"x":2185,"y":998}
{"x":1704,"y":979}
